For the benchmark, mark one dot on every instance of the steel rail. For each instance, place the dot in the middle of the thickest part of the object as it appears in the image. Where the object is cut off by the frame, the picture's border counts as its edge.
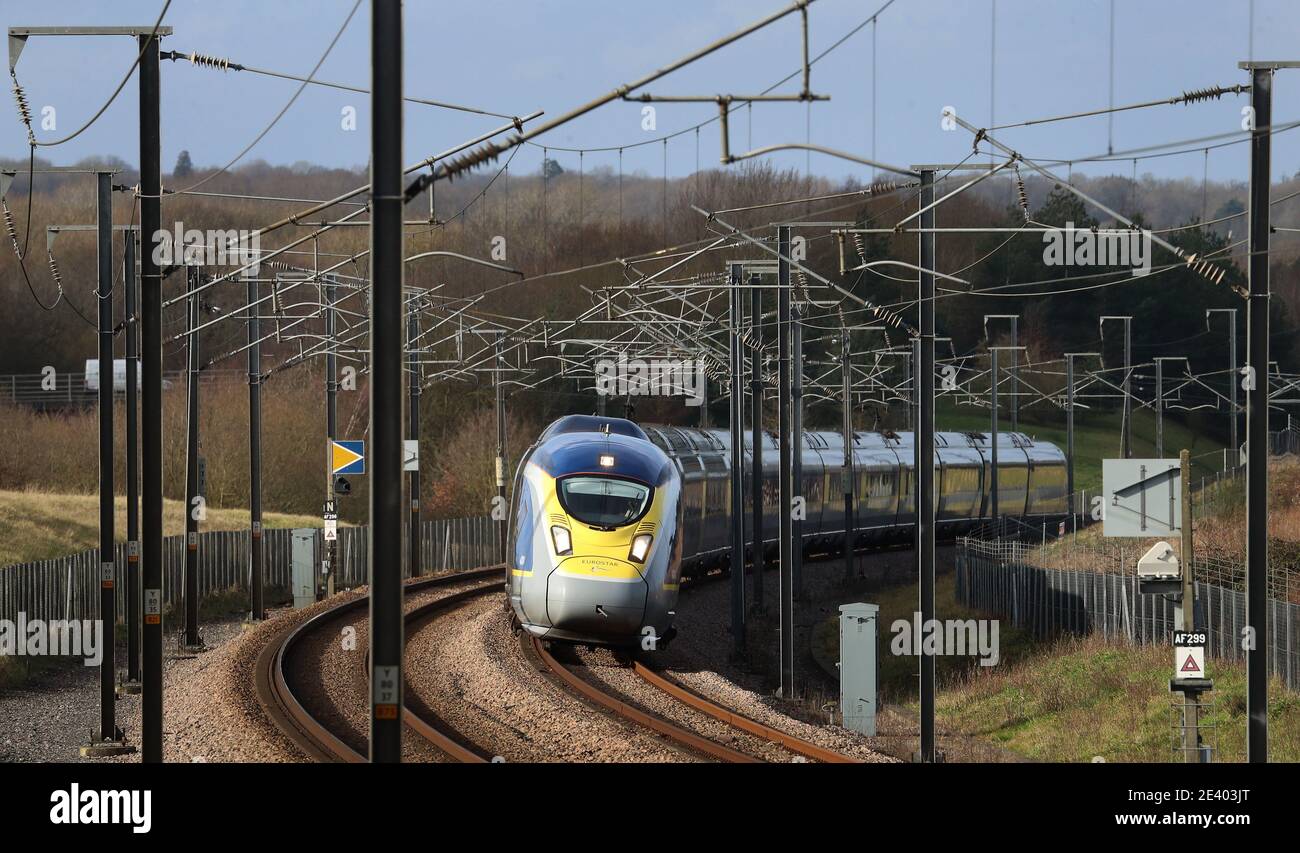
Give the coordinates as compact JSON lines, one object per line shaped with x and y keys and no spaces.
{"x":286,"y":710}
{"x":690,"y":740}
{"x":427,"y":725}
{"x":739,"y":721}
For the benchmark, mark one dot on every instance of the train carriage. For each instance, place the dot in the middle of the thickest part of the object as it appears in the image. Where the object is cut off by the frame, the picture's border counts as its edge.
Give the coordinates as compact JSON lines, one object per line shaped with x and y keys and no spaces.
{"x":607,"y":515}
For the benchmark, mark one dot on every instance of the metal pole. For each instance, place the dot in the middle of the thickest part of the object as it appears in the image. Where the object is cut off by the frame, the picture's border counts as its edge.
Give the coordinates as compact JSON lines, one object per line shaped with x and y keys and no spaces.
{"x":192,"y":497}
{"x":737,"y":472}
{"x":1188,"y":546}
{"x":847,"y":473}
{"x":704,"y":403}
{"x":501,"y":437}
{"x":1160,"y":408}
{"x":1232,"y":383}
{"x":1261,"y":96}
{"x":785,"y":446}
{"x":331,"y":365}
{"x":257,"y":608}
{"x":993,"y":429}
{"x":386,"y":275}
{"x":107,"y":563}
{"x":912,"y":361}
{"x":1128,"y":395}
{"x":796,"y":429}
{"x":331,"y":423}
{"x":756,"y":430}
{"x":151,"y":707}
{"x":925,"y":453}
{"x":1069,"y":440}
{"x":1191,"y":712}
{"x":913,"y":404}
{"x":1015,"y":375}
{"x":132,"y":285}
{"x":413,"y":414}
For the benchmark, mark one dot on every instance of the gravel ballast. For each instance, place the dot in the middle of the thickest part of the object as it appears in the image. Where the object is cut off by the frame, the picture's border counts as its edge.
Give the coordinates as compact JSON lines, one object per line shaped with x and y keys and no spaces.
{"x":468,"y":668}
{"x":211,"y":709}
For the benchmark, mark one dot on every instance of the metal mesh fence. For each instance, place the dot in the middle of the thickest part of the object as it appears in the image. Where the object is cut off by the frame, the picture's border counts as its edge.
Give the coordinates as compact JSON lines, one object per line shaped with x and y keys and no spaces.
{"x":1096,"y":593}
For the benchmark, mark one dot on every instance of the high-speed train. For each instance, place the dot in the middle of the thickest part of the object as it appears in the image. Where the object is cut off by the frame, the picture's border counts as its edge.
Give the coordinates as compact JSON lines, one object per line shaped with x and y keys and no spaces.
{"x":607,"y":515}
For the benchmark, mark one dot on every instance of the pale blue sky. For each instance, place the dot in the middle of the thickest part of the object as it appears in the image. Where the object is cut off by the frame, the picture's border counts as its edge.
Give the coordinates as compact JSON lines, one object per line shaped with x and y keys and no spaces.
{"x":515,"y":56}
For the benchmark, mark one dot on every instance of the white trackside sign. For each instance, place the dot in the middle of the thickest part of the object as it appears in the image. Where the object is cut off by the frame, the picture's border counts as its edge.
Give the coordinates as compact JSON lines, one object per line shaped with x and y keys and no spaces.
{"x":1189,"y":655}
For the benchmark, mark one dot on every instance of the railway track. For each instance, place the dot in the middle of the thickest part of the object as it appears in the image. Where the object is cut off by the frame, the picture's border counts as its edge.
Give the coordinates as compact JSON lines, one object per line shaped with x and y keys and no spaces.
{"x":418,"y":716}
{"x":739,"y":721}
{"x":320,"y":741}
{"x":536,"y":650}
{"x":313,"y":736}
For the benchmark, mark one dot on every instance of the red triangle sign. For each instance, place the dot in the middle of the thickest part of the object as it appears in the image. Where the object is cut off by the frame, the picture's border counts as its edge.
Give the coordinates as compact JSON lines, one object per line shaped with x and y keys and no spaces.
{"x":1190,"y":665}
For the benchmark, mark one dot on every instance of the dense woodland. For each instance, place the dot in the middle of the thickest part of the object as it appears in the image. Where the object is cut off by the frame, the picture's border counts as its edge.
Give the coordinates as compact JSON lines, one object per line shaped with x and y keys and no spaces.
{"x":562,"y":230}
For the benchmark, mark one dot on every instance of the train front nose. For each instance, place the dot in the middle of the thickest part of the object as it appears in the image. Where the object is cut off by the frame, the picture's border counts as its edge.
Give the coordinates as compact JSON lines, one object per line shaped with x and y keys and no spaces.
{"x":596,"y":596}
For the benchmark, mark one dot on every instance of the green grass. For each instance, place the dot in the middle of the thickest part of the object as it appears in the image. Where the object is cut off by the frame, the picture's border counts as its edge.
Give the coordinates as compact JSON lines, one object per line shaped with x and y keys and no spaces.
{"x":1096,"y":437}
{"x":897,"y":678}
{"x":41,"y":525}
{"x":1063,"y":701}
{"x":1086,"y":697}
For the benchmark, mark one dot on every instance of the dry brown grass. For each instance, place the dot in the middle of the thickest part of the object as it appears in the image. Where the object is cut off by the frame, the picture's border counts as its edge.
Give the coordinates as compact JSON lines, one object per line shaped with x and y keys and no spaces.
{"x":1223,"y":529}
{"x":1219,"y":526}
{"x":39,"y":525}
{"x":60,"y":450}
{"x":60,"y":453}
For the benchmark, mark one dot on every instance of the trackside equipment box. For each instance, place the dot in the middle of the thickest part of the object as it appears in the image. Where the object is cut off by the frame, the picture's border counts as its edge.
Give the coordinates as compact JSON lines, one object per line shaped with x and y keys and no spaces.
{"x":303,"y":561}
{"x":858,"y":666}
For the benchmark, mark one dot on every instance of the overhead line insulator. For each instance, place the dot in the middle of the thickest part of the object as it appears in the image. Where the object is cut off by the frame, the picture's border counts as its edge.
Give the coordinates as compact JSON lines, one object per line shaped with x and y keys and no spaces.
{"x":24,"y":108}
{"x":1022,"y":195}
{"x":11,"y":230}
{"x":54,"y":272}
{"x":1209,"y":93}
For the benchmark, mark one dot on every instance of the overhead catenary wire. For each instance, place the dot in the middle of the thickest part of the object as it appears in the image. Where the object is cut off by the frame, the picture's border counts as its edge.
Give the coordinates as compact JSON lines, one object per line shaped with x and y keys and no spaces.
{"x":293,"y":99}
{"x":218,"y":63}
{"x":667,"y":311}
{"x":36,"y":143}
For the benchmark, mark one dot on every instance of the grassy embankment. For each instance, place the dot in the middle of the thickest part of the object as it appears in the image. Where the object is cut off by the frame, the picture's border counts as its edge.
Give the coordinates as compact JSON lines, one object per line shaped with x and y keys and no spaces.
{"x":1069,"y":700}
{"x":40,"y":525}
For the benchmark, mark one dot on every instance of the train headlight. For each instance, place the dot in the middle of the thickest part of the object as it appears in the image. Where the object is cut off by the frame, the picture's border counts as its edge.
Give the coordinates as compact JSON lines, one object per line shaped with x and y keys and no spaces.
{"x":640,"y":547}
{"x":563,"y":543}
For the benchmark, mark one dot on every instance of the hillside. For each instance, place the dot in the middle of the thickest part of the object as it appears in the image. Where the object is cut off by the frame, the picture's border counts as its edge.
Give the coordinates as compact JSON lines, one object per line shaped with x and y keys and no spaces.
{"x":41,"y":525}
{"x":566,"y":232}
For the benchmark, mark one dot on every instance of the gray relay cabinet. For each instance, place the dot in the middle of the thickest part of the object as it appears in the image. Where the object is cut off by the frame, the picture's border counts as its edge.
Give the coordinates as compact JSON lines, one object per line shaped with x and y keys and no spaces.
{"x":858,"y":666}
{"x":303,"y":562}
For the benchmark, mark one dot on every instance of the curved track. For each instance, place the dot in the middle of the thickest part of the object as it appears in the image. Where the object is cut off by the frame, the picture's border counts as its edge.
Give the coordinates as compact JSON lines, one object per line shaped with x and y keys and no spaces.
{"x":536,"y":649}
{"x":316,"y":739}
{"x":739,"y":721}
{"x":288,"y":712}
{"x":417,"y":715}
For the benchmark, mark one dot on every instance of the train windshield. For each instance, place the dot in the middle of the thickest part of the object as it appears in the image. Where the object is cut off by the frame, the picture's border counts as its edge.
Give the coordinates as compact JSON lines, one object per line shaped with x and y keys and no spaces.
{"x":604,"y":501}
